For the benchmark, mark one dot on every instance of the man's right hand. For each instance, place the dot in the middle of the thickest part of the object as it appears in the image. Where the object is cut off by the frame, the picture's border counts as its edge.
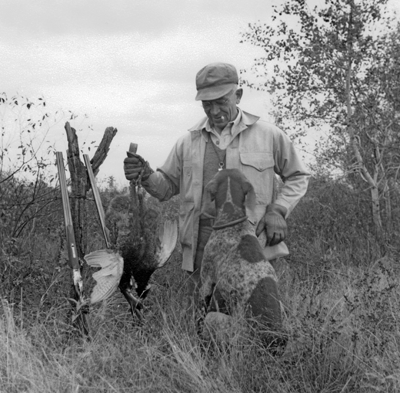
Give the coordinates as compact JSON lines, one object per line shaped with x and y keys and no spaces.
{"x":134,"y":166}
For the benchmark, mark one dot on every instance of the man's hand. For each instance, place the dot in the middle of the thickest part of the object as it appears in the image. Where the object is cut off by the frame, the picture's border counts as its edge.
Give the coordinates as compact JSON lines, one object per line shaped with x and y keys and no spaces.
{"x":274,"y":224}
{"x":135,"y":166}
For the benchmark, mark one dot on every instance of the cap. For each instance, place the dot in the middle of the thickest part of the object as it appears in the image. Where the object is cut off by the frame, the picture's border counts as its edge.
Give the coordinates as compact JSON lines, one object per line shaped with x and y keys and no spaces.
{"x":215,"y":80}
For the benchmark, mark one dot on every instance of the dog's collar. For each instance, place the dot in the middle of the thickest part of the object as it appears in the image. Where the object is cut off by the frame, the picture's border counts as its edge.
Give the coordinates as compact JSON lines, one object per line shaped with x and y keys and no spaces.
{"x":230,"y":223}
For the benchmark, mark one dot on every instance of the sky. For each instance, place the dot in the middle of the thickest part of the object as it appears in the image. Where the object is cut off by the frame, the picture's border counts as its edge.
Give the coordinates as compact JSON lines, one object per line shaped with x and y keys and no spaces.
{"x":130,"y":64}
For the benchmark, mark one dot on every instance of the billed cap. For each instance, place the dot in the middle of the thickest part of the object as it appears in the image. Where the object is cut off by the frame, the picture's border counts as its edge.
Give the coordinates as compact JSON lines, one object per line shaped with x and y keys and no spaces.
{"x":215,"y":80}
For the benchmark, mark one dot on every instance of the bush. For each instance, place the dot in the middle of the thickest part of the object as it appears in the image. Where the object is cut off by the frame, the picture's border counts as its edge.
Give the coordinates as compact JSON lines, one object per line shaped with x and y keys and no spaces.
{"x":332,"y":225}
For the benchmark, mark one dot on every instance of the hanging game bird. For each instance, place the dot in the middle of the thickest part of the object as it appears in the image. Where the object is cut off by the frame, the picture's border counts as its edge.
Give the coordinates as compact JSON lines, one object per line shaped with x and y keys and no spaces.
{"x":139,"y":249}
{"x":111,"y":264}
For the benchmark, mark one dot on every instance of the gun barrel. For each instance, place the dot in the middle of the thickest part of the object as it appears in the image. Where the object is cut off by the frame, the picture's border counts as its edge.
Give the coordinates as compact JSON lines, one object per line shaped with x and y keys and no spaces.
{"x":69,"y":231}
{"x":97,"y":200}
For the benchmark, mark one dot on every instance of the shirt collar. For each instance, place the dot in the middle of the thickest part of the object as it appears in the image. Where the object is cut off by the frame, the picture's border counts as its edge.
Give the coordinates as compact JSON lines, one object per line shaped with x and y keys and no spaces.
{"x":230,"y":125}
{"x":243,"y":118}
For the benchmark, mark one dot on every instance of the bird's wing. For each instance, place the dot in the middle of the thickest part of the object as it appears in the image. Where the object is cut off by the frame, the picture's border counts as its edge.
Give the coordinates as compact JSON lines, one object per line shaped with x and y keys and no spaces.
{"x":108,"y":277}
{"x":100,"y":258}
{"x":168,"y":234}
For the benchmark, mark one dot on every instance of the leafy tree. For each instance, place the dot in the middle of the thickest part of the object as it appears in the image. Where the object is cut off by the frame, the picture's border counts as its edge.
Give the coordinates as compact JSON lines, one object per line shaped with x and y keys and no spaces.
{"x":337,"y":70}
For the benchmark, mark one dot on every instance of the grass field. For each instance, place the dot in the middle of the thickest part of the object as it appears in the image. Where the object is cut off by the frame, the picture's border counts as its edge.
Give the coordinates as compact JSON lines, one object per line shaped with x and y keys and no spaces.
{"x":342,"y":322}
{"x":341,"y":312}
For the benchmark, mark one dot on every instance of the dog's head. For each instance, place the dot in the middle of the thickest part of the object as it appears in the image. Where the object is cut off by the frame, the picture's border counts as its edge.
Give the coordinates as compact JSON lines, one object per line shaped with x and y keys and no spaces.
{"x":231,"y":191}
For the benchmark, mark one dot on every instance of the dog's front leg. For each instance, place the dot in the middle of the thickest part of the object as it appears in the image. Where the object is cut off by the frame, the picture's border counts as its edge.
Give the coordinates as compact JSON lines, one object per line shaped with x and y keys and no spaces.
{"x":206,"y":291}
{"x":207,"y":280}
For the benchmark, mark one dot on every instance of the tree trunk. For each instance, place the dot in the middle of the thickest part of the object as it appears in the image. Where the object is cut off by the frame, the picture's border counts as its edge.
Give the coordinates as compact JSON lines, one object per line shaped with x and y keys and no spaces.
{"x":376,"y":211}
{"x":372,"y":181}
{"x":388,"y":207}
{"x":80,"y":182}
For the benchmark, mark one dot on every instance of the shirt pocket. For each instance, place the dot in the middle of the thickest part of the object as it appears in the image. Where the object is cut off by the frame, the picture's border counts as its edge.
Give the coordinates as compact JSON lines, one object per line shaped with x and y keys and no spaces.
{"x":259,"y":161}
{"x":259,"y":170}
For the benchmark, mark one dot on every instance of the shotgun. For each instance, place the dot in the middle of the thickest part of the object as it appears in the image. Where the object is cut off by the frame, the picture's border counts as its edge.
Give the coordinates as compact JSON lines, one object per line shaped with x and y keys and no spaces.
{"x":109,"y":260}
{"x":73,"y":258}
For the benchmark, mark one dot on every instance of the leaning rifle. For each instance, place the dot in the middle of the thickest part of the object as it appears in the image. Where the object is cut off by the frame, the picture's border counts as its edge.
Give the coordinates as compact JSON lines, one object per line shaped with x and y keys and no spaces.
{"x":81,"y":304}
{"x":97,"y":200}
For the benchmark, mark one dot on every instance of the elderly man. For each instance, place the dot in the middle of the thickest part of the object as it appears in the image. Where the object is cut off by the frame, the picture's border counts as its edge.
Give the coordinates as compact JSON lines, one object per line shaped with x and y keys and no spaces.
{"x":226,"y":138}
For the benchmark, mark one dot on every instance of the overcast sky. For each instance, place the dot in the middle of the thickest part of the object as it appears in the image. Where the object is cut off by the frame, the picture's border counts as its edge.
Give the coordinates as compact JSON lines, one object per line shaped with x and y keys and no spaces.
{"x":129,"y":64}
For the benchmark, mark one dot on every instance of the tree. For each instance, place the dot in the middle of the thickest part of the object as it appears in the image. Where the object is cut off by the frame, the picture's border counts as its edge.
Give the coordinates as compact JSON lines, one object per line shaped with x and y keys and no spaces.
{"x":337,"y":69}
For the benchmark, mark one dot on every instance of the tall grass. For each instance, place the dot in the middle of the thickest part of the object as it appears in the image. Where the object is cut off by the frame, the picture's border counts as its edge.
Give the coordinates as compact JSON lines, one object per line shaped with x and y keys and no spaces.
{"x":341,"y":313}
{"x":343,"y":328}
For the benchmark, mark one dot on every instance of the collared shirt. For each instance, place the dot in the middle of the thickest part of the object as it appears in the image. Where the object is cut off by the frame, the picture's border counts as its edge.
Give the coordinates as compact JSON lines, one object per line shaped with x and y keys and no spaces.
{"x":227,"y":135}
{"x":260,"y":151}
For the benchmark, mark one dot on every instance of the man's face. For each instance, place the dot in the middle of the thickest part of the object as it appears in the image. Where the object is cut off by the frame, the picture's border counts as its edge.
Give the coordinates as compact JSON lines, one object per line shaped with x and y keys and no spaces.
{"x":222,"y":110}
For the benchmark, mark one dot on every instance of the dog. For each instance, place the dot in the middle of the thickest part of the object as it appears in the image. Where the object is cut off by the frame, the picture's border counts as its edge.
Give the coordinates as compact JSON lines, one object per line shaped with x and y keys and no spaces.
{"x":234,"y":272}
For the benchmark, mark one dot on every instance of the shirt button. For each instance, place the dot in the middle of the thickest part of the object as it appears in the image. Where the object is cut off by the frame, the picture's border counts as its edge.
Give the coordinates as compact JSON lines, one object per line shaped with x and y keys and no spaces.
{"x":217,"y":142}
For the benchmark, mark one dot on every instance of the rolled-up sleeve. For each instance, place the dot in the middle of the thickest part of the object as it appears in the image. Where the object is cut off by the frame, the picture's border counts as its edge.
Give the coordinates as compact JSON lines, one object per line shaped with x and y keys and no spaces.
{"x":293,"y":172}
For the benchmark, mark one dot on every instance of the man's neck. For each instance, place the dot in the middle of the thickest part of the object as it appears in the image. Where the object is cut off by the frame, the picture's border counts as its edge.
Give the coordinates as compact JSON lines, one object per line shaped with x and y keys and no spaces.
{"x":219,"y":129}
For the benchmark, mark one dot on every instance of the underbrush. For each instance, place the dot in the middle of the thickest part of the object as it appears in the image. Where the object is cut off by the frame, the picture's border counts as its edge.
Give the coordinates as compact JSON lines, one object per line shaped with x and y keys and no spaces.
{"x":343,"y":329}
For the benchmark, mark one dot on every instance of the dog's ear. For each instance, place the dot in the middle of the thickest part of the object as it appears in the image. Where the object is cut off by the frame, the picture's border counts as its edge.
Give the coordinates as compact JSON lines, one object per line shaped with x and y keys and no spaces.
{"x":248,"y":190}
{"x":211,"y":188}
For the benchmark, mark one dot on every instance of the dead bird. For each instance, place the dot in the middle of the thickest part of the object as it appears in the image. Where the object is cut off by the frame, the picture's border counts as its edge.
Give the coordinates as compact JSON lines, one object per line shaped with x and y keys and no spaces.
{"x":139,"y":247}
{"x":144,"y":250}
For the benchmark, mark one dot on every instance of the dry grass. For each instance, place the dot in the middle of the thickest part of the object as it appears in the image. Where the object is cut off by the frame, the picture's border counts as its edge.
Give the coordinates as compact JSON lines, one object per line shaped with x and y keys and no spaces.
{"x":341,"y":315}
{"x":343,"y":328}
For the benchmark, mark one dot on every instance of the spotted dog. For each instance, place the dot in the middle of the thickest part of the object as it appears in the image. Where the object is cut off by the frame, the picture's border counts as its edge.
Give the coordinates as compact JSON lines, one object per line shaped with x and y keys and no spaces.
{"x":234,"y":271}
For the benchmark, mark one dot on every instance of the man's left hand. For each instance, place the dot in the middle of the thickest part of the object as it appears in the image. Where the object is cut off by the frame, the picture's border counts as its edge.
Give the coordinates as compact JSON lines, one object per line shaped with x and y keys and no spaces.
{"x":274,"y":224}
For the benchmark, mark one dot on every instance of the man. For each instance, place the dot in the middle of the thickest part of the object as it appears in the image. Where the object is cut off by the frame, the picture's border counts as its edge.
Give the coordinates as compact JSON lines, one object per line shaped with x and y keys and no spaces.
{"x":226,"y":138}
